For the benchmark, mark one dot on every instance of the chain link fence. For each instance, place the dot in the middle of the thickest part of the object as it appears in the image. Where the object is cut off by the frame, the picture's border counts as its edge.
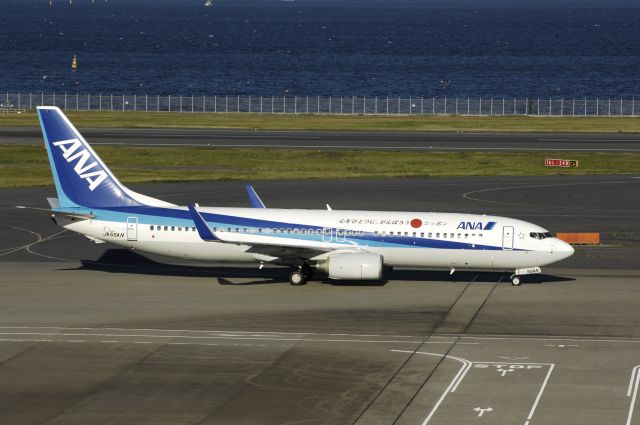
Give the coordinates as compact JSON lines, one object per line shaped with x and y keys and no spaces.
{"x":335,"y":105}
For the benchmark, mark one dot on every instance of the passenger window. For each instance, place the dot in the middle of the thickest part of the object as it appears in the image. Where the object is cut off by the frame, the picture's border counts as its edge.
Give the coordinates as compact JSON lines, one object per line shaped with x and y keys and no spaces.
{"x":422,"y":234}
{"x":151,"y":227}
{"x":480,"y":235}
{"x":430,"y":234}
{"x":173,"y":228}
{"x":459,"y":235}
{"x":166,"y":228}
{"x":414,"y":234}
{"x":229,"y":229}
{"x":406,"y":233}
{"x":390,"y":233}
{"x":444,"y":235}
{"x":244,"y":230}
{"x":466,"y":235}
{"x":259,"y":230}
{"x":437,"y":235}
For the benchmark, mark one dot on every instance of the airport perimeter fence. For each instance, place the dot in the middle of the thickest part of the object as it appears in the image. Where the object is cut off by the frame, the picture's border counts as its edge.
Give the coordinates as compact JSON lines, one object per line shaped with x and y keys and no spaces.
{"x":334,"y":105}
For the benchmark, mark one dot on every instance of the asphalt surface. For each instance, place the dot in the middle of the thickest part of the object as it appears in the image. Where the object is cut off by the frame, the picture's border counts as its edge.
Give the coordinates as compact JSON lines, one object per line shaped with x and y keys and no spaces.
{"x":90,"y":334}
{"x":342,"y":140}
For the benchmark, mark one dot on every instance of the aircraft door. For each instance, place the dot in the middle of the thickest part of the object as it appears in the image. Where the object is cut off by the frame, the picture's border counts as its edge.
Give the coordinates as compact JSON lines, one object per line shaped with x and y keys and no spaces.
{"x":326,"y":234}
{"x":132,"y":228}
{"x":507,"y":237}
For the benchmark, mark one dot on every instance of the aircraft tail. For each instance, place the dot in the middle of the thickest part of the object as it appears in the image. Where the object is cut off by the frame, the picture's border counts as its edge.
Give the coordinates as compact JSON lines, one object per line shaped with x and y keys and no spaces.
{"x":80,"y":176}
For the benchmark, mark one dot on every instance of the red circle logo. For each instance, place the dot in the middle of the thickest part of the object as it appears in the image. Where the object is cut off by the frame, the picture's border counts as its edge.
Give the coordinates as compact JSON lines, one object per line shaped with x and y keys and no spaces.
{"x":416,"y":223}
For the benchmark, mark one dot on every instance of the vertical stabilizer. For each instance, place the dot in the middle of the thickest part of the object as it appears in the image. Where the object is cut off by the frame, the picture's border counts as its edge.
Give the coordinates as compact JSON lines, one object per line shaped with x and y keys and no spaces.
{"x":80,"y":176}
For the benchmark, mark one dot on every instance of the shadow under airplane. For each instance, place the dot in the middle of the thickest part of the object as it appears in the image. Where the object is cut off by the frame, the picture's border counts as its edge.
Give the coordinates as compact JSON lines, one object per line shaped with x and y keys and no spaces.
{"x":125,"y":261}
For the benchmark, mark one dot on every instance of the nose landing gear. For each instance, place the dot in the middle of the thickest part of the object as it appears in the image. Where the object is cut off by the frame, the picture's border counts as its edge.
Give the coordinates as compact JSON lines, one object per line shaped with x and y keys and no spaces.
{"x":515,"y":280}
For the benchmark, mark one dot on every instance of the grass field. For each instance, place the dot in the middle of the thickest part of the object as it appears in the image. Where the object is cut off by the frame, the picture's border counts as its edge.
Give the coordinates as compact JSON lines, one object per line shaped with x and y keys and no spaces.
{"x":28,"y":166}
{"x":338,"y":122}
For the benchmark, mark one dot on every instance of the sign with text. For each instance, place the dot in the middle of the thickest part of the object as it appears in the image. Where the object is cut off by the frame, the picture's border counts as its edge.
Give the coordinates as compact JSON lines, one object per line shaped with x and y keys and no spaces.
{"x":549,"y":162}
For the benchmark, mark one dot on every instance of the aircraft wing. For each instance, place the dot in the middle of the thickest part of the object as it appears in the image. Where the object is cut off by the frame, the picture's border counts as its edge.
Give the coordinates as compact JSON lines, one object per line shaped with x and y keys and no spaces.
{"x":254,"y":199}
{"x":267,"y":245}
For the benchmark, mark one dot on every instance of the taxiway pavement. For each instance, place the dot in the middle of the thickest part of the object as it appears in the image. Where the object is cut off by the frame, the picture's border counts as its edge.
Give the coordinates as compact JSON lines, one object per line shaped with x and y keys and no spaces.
{"x":341,"y":140}
{"x":89,"y":335}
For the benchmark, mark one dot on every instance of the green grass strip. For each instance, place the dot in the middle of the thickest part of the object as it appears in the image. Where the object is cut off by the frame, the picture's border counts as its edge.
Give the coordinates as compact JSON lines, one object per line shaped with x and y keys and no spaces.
{"x":28,"y":165}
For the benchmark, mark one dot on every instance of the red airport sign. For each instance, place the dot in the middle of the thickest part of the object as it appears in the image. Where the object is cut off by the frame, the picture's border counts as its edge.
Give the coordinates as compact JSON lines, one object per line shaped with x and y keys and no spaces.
{"x":549,"y":162}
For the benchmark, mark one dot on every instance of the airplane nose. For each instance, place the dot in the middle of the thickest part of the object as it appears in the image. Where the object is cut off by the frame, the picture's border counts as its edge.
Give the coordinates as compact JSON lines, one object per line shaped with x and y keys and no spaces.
{"x":563,"y":249}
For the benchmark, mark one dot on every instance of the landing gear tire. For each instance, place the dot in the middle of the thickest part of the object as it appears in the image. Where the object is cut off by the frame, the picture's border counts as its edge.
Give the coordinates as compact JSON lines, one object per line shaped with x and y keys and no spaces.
{"x":515,"y":280}
{"x":297,"y":278}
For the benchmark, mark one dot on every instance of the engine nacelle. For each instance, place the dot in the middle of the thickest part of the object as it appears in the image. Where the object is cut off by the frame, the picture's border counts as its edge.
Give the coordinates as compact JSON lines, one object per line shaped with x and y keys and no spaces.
{"x":353,"y":266}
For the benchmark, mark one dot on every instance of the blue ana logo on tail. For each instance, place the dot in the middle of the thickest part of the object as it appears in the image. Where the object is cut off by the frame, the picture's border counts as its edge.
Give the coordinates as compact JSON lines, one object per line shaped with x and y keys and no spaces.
{"x":72,"y":152}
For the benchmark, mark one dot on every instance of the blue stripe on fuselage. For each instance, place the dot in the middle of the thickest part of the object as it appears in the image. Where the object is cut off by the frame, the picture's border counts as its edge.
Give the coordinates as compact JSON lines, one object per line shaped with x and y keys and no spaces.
{"x":178,"y":217}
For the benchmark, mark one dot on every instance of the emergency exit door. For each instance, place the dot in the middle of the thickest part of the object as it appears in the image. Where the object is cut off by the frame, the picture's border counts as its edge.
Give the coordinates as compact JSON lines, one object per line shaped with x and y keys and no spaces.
{"x":507,"y":237}
{"x":132,"y":228}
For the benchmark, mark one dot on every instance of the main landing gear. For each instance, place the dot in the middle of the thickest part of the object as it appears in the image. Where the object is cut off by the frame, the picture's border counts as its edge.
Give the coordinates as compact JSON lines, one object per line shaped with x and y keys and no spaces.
{"x":300,"y":275}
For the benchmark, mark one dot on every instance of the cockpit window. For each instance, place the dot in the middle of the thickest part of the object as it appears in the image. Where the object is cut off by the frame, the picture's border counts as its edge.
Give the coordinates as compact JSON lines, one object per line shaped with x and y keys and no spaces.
{"x":540,"y":235}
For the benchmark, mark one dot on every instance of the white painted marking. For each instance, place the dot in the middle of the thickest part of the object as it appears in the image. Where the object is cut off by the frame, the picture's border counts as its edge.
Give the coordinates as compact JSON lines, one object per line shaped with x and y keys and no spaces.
{"x":544,"y":386}
{"x":561,"y":345}
{"x":633,"y":383}
{"x":504,"y":372}
{"x":481,"y":411}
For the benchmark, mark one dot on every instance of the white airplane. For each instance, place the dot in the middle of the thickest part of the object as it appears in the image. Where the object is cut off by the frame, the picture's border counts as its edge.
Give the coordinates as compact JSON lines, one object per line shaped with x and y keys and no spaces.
{"x":351,"y":245}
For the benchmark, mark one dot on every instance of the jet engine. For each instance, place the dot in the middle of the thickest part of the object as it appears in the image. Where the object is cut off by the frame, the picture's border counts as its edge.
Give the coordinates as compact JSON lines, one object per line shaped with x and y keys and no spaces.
{"x":352,"y":266}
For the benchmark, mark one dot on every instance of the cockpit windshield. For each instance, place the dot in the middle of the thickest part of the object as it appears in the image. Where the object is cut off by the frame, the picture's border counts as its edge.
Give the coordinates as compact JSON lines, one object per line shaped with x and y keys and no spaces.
{"x":540,"y":235}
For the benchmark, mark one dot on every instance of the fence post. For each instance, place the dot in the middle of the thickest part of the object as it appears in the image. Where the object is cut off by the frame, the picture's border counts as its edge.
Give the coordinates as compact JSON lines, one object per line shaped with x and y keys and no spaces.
{"x":191,"y":103}
{"x":307,"y":104}
{"x":445,"y":105}
{"x":433,"y":106}
{"x":515,"y":106}
{"x":597,"y":106}
{"x":204,"y":104}
{"x":609,"y":113}
{"x":456,"y":106}
{"x":273,"y":102}
{"x":158,"y":104}
{"x":318,"y":107}
{"x":399,"y":106}
{"x":42,"y":102}
{"x":353,"y":105}
{"x":30,"y":103}
{"x":562,"y":107}
{"x":340,"y":105}
{"x":376,"y":106}
{"x":238,"y":104}
{"x":491,"y":109}
{"x":284,"y":104}
{"x":468,"y":106}
{"x":295,"y":105}
{"x":387,"y":105}
{"x":364,"y":105}
{"x":585,"y":106}
{"x":330,"y":109}
{"x":410,"y":105}
{"x":503,"y":106}
{"x":573,"y":107}
{"x":621,"y":107}
{"x":19,"y":101}
{"x":169,"y":103}
{"x":146,"y":102}
{"x":633,"y":107}
{"x":421,"y":105}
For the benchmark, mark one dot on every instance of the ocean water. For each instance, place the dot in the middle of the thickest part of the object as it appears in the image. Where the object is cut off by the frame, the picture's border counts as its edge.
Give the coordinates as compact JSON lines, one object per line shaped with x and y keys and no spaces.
{"x":298,"y":48}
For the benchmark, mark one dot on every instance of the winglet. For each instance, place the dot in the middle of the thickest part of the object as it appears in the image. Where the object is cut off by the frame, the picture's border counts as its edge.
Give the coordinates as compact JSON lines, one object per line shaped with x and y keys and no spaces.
{"x":203,"y":229}
{"x":254,"y":199}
